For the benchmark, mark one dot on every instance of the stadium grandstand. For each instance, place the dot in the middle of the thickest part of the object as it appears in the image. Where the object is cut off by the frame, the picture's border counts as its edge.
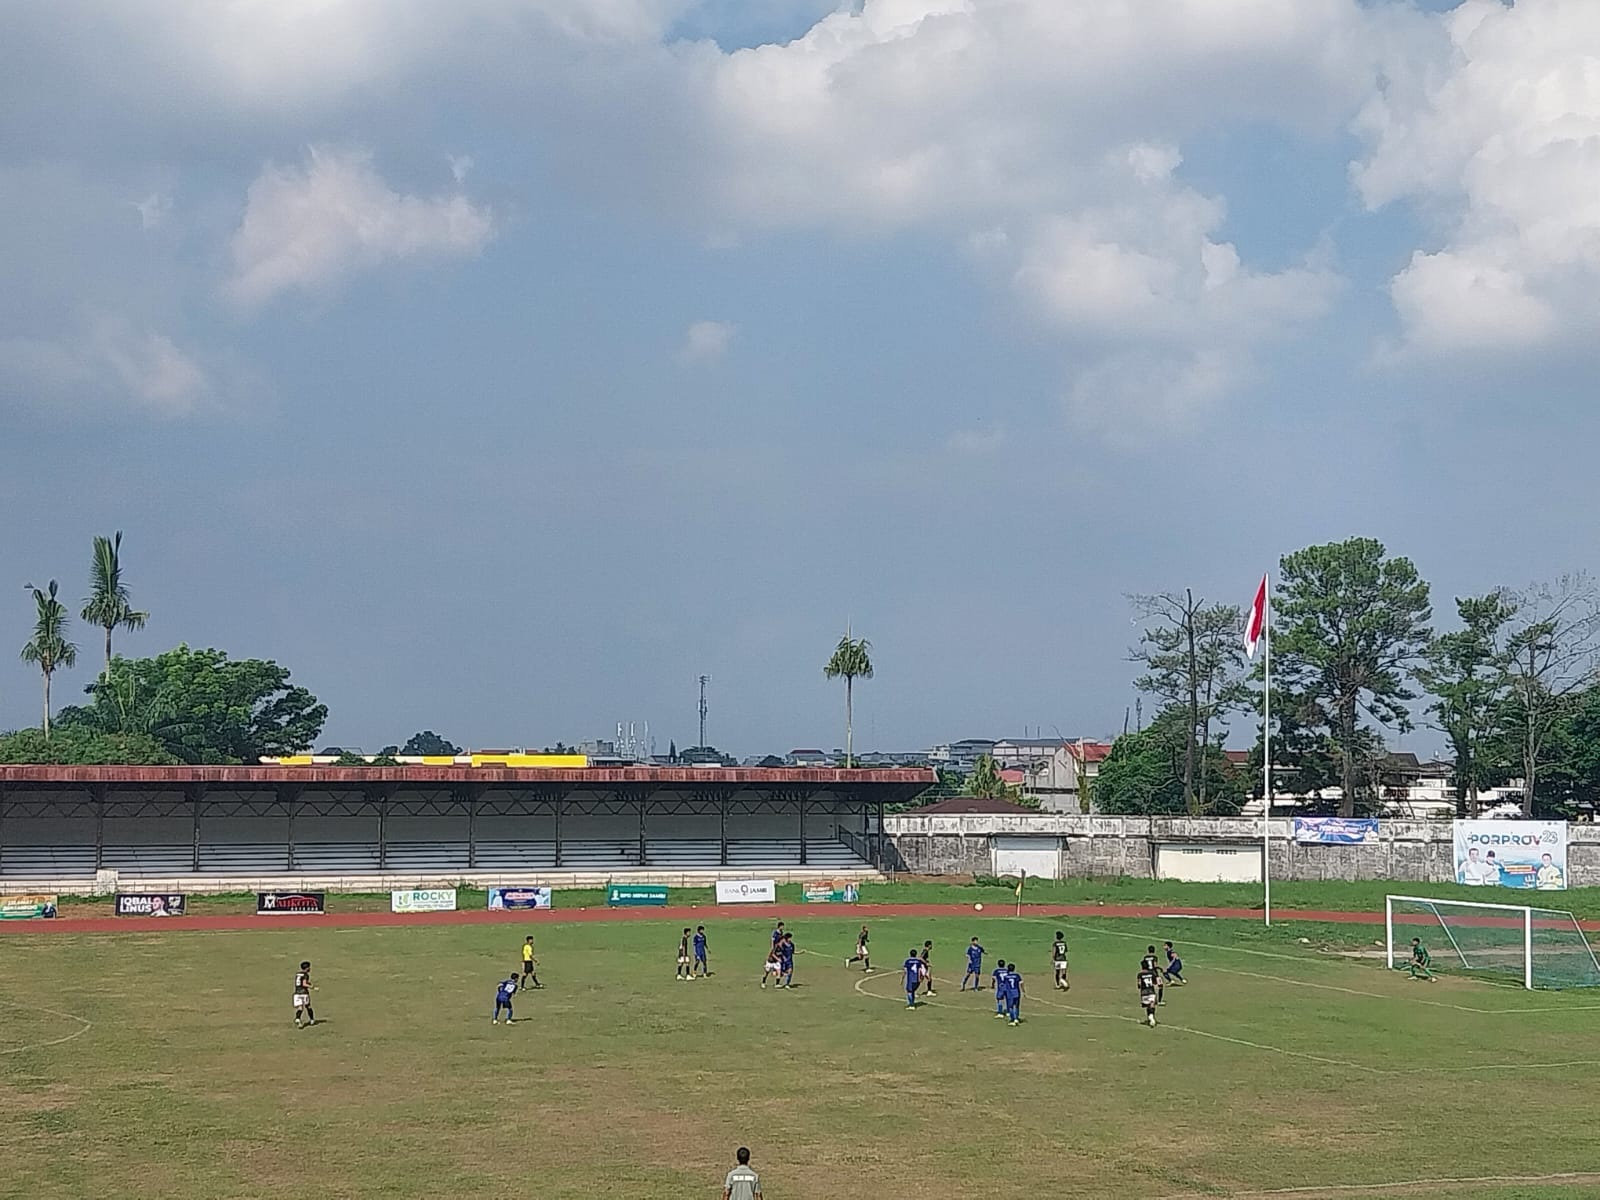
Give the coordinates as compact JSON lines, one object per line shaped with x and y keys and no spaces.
{"x":491,"y":818}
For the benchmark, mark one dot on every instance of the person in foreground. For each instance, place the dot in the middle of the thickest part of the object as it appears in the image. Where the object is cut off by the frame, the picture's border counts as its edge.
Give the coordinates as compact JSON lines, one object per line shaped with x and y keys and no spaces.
{"x":742,"y":1182}
{"x":862,"y":954}
{"x":503,"y":992}
{"x":1148,"y":995}
{"x":974,"y":967}
{"x":302,"y":996}
{"x":914,"y":969}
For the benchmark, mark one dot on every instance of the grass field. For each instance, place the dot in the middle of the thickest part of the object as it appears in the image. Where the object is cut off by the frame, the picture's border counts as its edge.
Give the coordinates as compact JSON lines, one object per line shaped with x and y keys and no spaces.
{"x":165,"y":1065}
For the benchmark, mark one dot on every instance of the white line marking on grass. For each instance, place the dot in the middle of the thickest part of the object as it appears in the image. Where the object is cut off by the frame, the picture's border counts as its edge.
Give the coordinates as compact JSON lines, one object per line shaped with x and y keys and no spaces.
{"x":86,"y":1025}
{"x":1396,"y":1185}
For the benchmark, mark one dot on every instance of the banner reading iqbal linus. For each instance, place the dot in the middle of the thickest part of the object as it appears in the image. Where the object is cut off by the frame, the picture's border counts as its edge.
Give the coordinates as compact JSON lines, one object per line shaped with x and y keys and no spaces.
{"x":1514,"y":854}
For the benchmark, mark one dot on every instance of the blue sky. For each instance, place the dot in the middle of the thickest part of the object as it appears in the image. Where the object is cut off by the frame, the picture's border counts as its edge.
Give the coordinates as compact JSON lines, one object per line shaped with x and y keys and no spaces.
{"x":501,"y":367}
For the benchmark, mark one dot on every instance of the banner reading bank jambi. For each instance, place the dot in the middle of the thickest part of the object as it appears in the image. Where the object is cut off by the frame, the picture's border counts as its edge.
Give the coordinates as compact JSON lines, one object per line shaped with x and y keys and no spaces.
{"x":1513,"y":854}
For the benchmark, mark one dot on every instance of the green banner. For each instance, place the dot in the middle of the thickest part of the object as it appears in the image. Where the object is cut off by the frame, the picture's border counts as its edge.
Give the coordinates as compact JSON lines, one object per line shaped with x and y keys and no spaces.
{"x":22,"y":907}
{"x":636,"y":895}
{"x":836,"y":892}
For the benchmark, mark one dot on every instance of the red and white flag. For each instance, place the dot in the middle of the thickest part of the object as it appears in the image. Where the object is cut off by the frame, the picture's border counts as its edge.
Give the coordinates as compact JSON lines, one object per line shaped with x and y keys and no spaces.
{"x":1257,"y":619}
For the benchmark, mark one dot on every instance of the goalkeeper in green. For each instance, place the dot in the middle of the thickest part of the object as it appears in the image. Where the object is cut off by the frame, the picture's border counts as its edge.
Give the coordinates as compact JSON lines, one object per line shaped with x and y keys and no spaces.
{"x":1421,"y":961}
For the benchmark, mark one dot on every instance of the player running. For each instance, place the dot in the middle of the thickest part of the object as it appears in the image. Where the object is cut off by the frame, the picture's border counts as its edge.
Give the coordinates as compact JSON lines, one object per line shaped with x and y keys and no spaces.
{"x":927,"y":968}
{"x":530,"y":965}
{"x":683,"y":956}
{"x":701,"y":963}
{"x":1058,"y":956}
{"x":915,"y":968}
{"x":862,"y":955}
{"x":503,"y":992}
{"x":302,"y":996}
{"x":974,"y":967}
{"x":1013,"y":994}
{"x":1173,"y":971}
{"x":1147,"y":994}
{"x":1421,"y":964}
{"x":1148,"y":963}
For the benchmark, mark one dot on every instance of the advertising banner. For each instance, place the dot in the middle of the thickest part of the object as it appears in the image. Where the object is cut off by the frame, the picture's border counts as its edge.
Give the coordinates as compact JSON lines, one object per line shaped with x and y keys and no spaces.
{"x":275,"y":903}
{"x":144,"y":904}
{"x":636,"y":895}
{"x":1514,"y":854}
{"x":21,"y":907}
{"x":837,"y":891}
{"x":1335,"y":831}
{"x":746,"y":891}
{"x":420,"y":900}
{"x":519,"y":897}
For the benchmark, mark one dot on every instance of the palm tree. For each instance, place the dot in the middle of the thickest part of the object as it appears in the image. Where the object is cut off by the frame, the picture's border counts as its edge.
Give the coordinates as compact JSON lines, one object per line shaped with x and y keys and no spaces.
{"x":851,"y":660}
{"x":109,"y":607}
{"x":49,"y":648}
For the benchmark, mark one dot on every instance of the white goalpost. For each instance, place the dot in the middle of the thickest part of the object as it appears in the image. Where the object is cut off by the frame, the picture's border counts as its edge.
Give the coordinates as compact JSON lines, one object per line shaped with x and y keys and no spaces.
{"x":1539,"y":947}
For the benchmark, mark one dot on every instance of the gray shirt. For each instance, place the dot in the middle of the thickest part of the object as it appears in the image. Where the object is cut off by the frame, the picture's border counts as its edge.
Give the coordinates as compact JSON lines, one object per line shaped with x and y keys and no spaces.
{"x":742,"y":1184}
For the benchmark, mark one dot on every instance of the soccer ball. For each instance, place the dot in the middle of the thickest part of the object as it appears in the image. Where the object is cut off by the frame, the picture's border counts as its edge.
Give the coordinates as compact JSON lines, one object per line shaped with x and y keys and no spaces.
{"x":977,"y":908}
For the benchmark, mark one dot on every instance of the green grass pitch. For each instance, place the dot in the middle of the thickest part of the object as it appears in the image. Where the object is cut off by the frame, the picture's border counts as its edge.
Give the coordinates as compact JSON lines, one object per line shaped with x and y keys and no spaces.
{"x":166,"y":1065}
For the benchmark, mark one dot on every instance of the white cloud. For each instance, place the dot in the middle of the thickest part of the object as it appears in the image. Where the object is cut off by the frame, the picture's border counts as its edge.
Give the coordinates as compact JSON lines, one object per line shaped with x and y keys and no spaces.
{"x":111,"y":361}
{"x":706,"y":341}
{"x":1495,"y":135}
{"x":309,"y":226}
{"x":153,"y":210}
{"x":977,"y":442}
{"x":460,"y":165}
{"x":1128,"y":397}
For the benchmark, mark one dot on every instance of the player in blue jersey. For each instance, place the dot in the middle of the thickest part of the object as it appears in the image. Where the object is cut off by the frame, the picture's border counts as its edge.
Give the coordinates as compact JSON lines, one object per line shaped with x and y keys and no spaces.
{"x":974,"y":967}
{"x":914,"y":969}
{"x":998,"y":975}
{"x":1013,"y":994}
{"x":1173,"y":971}
{"x":786,"y":961}
{"x":777,"y":933}
{"x":506,"y":989}
{"x":700,"y":944}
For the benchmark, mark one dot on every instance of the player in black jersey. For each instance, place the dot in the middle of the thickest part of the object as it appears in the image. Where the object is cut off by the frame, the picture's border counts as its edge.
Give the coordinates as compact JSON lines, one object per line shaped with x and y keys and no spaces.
{"x":1148,"y":963}
{"x":684,"y":962}
{"x":1058,"y":956}
{"x":1147,"y":995}
{"x":862,"y":954}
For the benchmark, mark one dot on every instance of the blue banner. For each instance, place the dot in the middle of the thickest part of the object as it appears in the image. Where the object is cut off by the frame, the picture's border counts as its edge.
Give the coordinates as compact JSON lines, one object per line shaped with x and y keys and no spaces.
{"x":1336,"y":831}
{"x":519,"y":897}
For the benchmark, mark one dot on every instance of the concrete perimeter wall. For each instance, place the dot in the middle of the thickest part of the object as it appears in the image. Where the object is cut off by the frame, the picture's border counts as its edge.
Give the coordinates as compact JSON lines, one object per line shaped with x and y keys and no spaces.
{"x":1421,"y":851}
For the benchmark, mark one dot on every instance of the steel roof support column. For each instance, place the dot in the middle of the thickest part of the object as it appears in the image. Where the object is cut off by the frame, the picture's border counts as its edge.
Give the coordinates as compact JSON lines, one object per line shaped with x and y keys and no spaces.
{"x":470,"y":795}
{"x":644,"y":849}
{"x":383,"y":825}
{"x":98,"y":791}
{"x":877,"y":842}
{"x":195,"y":792}
{"x":802,"y":804}
{"x":289,"y":796}
{"x":724,"y":798}
{"x":561,"y":804}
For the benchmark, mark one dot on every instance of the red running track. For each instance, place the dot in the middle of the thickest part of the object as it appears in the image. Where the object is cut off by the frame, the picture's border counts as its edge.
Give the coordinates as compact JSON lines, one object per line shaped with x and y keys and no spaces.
{"x":692,"y":913}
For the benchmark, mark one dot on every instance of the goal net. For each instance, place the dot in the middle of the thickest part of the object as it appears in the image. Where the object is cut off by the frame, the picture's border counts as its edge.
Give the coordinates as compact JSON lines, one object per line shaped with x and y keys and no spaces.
{"x":1538,"y":947}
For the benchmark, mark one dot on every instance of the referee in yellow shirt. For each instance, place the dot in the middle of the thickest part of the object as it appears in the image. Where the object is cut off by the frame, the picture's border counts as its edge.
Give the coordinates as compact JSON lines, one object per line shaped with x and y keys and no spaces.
{"x":530,"y":964}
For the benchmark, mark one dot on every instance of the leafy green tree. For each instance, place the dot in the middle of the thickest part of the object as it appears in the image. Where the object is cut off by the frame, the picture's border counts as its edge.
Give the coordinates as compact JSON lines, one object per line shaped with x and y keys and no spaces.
{"x":79,"y":745}
{"x":1569,"y":777}
{"x":48,"y":648}
{"x":987,"y":783}
{"x":851,"y":660}
{"x":108,"y":606}
{"x":1194,"y":658}
{"x":429,"y":743}
{"x":1465,"y":671}
{"x":1351,"y":625}
{"x":1143,"y":774}
{"x":1552,"y":651}
{"x":215,"y":709}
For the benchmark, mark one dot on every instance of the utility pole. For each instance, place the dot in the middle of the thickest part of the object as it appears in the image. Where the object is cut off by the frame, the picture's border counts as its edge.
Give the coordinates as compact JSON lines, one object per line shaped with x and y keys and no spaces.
{"x":704,"y":679}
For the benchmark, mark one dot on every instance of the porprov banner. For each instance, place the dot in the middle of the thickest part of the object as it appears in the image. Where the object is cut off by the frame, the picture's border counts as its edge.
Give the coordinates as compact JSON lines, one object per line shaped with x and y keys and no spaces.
{"x":1514,"y":854}
{"x":1335,"y":831}
{"x":23,"y":906}
{"x":837,"y":891}
{"x":146,"y":904}
{"x":284,"y":903}
{"x":421,"y":900}
{"x":519,"y":897}
{"x":746,"y":891}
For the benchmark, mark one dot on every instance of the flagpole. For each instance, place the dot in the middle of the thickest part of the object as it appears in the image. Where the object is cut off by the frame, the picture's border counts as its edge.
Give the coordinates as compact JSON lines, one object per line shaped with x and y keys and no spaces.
{"x":1266,"y":753}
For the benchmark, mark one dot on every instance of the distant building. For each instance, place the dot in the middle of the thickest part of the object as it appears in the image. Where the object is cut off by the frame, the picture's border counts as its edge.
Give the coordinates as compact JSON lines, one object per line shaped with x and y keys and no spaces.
{"x":961,"y":756}
{"x":1061,"y":781}
{"x":808,"y":758}
{"x":1025,"y":752}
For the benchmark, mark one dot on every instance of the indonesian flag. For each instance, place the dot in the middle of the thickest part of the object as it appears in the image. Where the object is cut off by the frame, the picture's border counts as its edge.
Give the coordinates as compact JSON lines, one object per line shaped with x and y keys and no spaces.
{"x":1257,"y":620}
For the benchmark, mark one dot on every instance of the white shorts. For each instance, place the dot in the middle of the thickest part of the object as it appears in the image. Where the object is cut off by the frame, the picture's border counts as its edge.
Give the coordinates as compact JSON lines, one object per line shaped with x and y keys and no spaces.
{"x":683,"y":960}
{"x":1148,"y":1001}
{"x":774,"y":967}
{"x":1061,"y":964}
{"x":301,"y":1001}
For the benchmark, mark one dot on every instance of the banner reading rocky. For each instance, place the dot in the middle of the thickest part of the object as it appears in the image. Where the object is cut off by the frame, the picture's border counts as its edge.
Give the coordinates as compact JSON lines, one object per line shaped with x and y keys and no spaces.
{"x":146,"y":904}
{"x":284,"y":903}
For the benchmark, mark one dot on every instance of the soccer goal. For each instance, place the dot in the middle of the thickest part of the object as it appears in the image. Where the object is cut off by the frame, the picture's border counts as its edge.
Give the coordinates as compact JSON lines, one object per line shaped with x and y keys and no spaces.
{"x":1541,"y":947}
